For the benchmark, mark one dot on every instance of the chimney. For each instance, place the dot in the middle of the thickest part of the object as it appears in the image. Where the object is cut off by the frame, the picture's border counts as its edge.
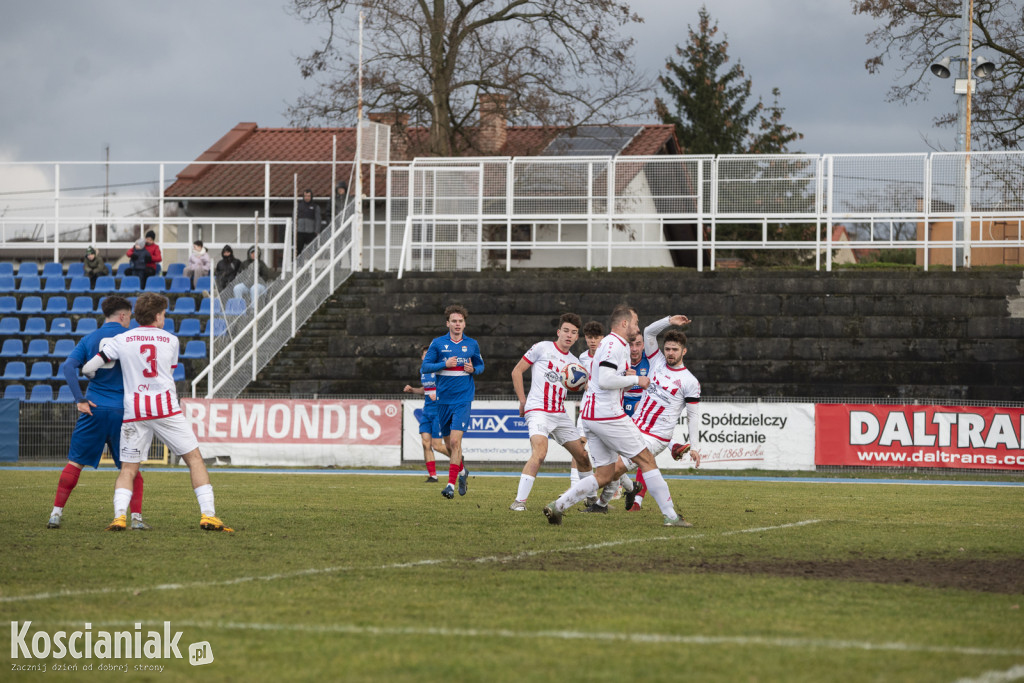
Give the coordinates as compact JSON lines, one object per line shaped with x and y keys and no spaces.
{"x":493,"y":131}
{"x":399,"y":124}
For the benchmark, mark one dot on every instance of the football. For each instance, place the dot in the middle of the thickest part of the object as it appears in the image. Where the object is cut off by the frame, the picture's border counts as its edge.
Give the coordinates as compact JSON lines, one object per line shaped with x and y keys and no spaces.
{"x":574,"y":377}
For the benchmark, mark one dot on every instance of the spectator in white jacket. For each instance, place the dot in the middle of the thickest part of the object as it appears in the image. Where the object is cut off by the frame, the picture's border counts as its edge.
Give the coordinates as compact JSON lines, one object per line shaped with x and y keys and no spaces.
{"x":198,"y":262}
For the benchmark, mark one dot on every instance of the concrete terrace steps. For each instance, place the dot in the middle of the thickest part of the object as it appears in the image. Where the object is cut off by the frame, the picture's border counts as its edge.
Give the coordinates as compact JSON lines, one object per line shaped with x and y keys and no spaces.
{"x":769,"y":333}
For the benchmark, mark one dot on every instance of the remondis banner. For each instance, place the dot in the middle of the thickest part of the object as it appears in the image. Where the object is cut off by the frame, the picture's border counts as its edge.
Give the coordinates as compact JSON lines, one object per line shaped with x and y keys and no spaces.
{"x":919,"y":436}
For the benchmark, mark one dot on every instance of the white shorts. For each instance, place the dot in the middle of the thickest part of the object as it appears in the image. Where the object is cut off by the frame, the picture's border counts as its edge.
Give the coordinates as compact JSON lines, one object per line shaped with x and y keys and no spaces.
{"x":136,"y":437}
{"x":654,"y":445}
{"x":608,"y":439}
{"x":558,"y":426}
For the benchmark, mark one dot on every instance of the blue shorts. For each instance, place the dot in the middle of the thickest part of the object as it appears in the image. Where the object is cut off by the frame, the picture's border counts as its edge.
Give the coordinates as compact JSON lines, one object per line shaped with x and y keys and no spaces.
{"x":426,"y":417}
{"x":94,"y":431}
{"x":451,"y":417}
{"x":630,"y":406}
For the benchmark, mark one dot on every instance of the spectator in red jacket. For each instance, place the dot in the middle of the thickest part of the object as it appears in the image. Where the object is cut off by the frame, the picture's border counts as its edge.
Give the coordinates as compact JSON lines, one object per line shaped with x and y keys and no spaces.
{"x":154,"y":253}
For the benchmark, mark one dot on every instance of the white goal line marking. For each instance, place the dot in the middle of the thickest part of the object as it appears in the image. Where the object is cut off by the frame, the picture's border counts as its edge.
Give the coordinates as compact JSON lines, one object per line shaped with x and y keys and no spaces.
{"x":1014,"y":674}
{"x":397,"y":565}
{"x":635,"y":638}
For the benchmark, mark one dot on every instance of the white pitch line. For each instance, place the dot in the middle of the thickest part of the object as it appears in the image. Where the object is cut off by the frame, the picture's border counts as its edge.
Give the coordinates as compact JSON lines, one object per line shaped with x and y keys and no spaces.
{"x":636,"y":638}
{"x":348,"y":568}
{"x":1014,"y":674}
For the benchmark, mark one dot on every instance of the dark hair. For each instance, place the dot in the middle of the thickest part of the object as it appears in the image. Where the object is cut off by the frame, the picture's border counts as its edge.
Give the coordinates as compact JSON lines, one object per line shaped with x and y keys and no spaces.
{"x":456,"y":308}
{"x":198,"y":243}
{"x":115,"y":304}
{"x":572,"y":319}
{"x":620,"y":313}
{"x":593,"y":329}
{"x":676,"y":336}
{"x":151,"y":234}
{"x":148,"y":306}
{"x":308,"y":191}
{"x":227,"y":248}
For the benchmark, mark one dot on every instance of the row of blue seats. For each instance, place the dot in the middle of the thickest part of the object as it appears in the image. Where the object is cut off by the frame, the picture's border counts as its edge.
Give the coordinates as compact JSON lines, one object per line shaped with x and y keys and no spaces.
{"x":40,"y":348}
{"x":82,"y":305}
{"x":62,"y":327}
{"x":76,"y":269}
{"x":42,"y":370}
{"x":104,"y":283}
{"x":43,"y":393}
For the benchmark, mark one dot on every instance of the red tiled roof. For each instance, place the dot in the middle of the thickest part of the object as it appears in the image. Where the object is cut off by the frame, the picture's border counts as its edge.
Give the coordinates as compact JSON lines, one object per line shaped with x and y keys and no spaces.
{"x":248,"y":142}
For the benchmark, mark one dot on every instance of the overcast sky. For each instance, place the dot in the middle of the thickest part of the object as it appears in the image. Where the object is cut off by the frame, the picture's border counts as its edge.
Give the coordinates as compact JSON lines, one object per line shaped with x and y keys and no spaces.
{"x":163,"y":81}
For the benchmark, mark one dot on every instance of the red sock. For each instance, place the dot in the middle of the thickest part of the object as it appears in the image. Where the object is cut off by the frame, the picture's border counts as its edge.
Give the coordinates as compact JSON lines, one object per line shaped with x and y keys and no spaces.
{"x":643,"y":484}
{"x":135,"y":505}
{"x":453,"y":473}
{"x":462,"y":467}
{"x":66,"y":484}
{"x":432,"y":468}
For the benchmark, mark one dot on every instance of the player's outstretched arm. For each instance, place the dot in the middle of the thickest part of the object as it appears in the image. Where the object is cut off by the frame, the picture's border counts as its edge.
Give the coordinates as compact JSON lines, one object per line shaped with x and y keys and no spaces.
{"x":94,"y":364}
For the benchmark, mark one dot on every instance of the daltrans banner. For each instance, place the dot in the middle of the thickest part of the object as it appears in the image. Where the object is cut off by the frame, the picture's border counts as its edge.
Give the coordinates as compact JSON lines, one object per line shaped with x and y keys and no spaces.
{"x":287,"y":432}
{"x":920,"y":436}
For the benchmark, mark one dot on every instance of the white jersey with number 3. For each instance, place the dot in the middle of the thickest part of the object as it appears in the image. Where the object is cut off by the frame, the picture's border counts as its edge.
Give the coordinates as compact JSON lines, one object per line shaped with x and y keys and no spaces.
{"x":148,"y":357}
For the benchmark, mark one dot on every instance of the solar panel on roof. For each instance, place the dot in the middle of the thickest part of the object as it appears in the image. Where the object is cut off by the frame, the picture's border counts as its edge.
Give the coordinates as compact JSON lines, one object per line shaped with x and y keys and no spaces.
{"x":592,"y":141}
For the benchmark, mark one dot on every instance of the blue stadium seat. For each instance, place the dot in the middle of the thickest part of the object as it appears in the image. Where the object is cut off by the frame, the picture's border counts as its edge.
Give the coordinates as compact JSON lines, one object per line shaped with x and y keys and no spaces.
{"x":54,"y":284}
{"x":76,"y":269}
{"x":175,"y":270}
{"x":6,"y":283}
{"x":194,"y":349}
{"x":235,"y":306}
{"x":220,"y":326}
{"x":56,"y":305}
{"x":14,"y":370}
{"x":41,"y":393}
{"x":12,"y":348}
{"x":28,"y":268}
{"x":8,"y":304}
{"x":204,"y":307}
{"x":129,"y":283}
{"x":31,"y":305}
{"x":105,"y":283}
{"x":155,"y":283}
{"x":9,"y":326}
{"x":64,"y":395}
{"x":41,"y":371}
{"x":63,"y":348}
{"x":184,"y":305}
{"x":37,"y":348}
{"x":82,"y":305}
{"x":79,"y":284}
{"x":180,"y":285}
{"x":30,"y":283}
{"x":34,"y":327}
{"x":168,"y":324}
{"x":85,"y":326}
{"x":178,"y":375}
{"x":189,"y":327}
{"x":6,"y":268}
{"x":14,"y":391}
{"x":202,"y":284}
{"x":59,"y":327}
{"x":120,"y":270}
{"x":53,"y":270}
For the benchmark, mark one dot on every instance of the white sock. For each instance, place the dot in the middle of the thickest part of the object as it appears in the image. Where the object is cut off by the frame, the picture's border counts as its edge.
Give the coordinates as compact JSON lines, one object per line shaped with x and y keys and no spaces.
{"x":657,"y":487}
{"x":57,"y":511}
{"x":626,"y":483}
{"x":121,"y":499}
{"x":639,"y":500}
{"x":136,"y":515}
{"x":607,"y":493}
{"x":204,"y":494}
{"x":574,"y":475}
{"x":586,"y":486}
{"x":525,"y":485}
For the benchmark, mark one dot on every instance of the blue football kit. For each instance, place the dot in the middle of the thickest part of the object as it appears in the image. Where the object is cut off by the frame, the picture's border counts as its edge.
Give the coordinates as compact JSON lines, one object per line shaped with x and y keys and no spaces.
{"x":455,"y":388}
{"x":631,"y":396}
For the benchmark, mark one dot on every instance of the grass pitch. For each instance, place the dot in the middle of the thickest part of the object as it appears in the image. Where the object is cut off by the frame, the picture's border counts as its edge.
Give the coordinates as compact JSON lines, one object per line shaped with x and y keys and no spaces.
{"x":359,"y":578}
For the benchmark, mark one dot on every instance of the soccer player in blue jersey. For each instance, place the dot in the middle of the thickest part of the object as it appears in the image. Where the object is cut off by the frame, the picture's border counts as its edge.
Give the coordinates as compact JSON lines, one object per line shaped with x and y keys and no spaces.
{"x":637,"y":361}
{"x":431,"y":443}
{"x":456,"y":359}
{"x":100,"y":411}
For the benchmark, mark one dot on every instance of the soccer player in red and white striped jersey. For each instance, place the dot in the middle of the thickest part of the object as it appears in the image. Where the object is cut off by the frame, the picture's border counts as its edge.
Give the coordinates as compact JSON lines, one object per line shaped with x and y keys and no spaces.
{"x":544,"y":407}
{"x":148,"y":356}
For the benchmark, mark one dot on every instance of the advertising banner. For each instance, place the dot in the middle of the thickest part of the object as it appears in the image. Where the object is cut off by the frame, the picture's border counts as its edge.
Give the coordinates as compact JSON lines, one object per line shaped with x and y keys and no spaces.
{"x":496,"y":434}
{"x":920,"y":436}
{"x":287,"y":432}
{"x":740,"y":436}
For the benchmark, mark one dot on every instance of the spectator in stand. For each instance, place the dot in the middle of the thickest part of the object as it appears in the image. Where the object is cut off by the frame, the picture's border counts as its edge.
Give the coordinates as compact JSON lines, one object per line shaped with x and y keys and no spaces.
{"x":141,"y":264}
{"x":227,"y":267}
{"x":244,"y":284}
{"x":341,"y":198}
{"x":198,"y":262}
{"x":308,"y":224}
{"x":154,"y":251}
{"x":93,"y":265}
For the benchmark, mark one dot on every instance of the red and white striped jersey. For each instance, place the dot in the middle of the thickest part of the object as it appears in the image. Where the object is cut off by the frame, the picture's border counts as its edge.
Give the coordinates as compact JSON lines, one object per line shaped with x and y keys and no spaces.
{"x":148,"y":357}
{"x":664,"y":399}
{"x":547,"y":393}
{"x":599,"y":403}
